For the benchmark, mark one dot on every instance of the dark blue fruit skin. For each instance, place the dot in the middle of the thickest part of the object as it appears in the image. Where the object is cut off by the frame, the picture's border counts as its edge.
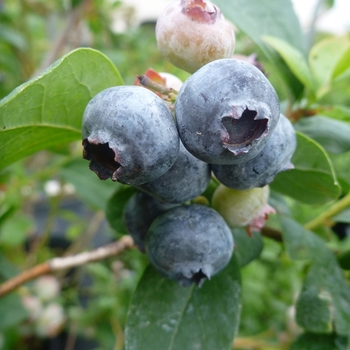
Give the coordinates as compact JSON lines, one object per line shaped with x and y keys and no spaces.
{"x":189,"y":243}
{"x":226,"y":112}
{"x":129,"y":135}
{"x":185,"y":180}
{"x":261,"y":170}
{"x":139,"y":213}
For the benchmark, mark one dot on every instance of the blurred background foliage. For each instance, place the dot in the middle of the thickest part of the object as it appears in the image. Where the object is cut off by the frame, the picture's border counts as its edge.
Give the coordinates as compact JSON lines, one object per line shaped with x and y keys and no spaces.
{"x":50,"y":205}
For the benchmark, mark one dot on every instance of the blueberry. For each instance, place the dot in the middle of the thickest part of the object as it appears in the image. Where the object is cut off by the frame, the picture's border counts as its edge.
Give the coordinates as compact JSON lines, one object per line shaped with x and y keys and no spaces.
{"x":129,"y":135}
{"x":189,"y":243}
{"x":139,"y":212}
{"x":186,"y":179}
{"x":262,"y":169}
{"x":226,"y":112}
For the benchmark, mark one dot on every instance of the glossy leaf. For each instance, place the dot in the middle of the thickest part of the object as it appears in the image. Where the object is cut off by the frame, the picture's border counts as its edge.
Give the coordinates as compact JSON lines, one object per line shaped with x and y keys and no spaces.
{"x":333,"y":135}
{"x":47,"y":110}
{"x":324,"y":58}
{"x":343,"y":64}
{"x":265,"y":17}
{"x":294,"y":59}
{"x":312,"y":180}
{"x":164,"y":315}
{"x":324,"y":287}
{"x":247,"y":248}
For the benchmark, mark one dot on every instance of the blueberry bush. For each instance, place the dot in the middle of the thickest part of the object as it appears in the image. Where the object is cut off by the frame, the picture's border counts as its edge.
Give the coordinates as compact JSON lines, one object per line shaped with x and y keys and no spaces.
{"x":229,"y":194}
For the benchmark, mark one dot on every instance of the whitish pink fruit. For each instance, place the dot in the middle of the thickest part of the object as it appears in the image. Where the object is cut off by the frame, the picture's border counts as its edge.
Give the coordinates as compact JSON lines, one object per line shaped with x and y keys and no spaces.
{"x":193,"y":33}
{"x":247,"y":208}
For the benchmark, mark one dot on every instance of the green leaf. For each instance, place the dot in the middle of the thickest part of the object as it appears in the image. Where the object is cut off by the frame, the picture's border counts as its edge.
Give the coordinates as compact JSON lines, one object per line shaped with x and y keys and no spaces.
{"x":343,"y":64}
{"x":7,"y":268}
{"x":325,"y":281}
{"x":300,"y":243}
{"x":324,"y":57}
{"x":47,"y":110}
{"x":343,"y":216}
{"x":309,"y":341}
{"x":21,"y":225}
{"x":335,"y":112}
{"x":115,"y":207}
{"x":312,"y":180}
{"x":314,"y":310}
{"x":247,"y":248}
{"x":89,"y":187}
{"x":265,"y":17}
{"x":12,"y":311}
{"x":164,"y":315}
{"x":294,"y":58}
{"x":341,"y":164}
{"x":327,"y":278}
{"x":333,"y":135}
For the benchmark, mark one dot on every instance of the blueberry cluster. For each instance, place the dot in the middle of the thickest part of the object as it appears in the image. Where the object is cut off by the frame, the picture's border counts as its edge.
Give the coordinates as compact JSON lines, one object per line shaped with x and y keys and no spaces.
{"x":226,"y":124}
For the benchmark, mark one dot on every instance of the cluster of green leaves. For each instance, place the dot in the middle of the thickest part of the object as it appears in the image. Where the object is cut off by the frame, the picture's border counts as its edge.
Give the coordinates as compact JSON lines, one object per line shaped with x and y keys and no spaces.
{"x":46,"y":112}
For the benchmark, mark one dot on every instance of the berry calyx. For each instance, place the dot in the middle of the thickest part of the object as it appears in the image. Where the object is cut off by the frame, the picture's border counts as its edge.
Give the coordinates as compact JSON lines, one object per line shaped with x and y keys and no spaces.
{"x":200,"y":11}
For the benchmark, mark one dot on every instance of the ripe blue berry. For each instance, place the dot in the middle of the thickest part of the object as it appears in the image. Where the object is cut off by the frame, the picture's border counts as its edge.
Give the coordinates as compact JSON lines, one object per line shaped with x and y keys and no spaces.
{"x":226,"y":112}
{"x":189,"y":244}
{"x":129,"y":135}
{"x":139,"y":213}
{"x":262,"y":169}
{"x":186,"y":179}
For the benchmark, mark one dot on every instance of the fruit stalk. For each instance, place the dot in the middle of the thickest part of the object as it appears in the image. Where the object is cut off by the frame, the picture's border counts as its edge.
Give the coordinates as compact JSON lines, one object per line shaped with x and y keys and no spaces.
{"x":336,"y":208}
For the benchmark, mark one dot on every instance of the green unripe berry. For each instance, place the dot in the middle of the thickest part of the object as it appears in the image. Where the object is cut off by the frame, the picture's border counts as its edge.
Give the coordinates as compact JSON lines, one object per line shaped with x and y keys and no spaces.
{"x":243,"y":208}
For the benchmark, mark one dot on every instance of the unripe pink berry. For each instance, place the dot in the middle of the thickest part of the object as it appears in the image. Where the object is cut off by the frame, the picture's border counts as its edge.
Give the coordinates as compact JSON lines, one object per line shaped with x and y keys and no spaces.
{"x":171,"y":81}
{"x":243,"y":208}
{"x":192,"y":33}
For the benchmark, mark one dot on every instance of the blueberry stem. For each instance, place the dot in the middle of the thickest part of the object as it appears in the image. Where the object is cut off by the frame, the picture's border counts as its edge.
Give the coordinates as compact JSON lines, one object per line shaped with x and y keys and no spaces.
{"x":272,"y":233}
{"x":149,"y":83}
{"x":336,"y":208}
